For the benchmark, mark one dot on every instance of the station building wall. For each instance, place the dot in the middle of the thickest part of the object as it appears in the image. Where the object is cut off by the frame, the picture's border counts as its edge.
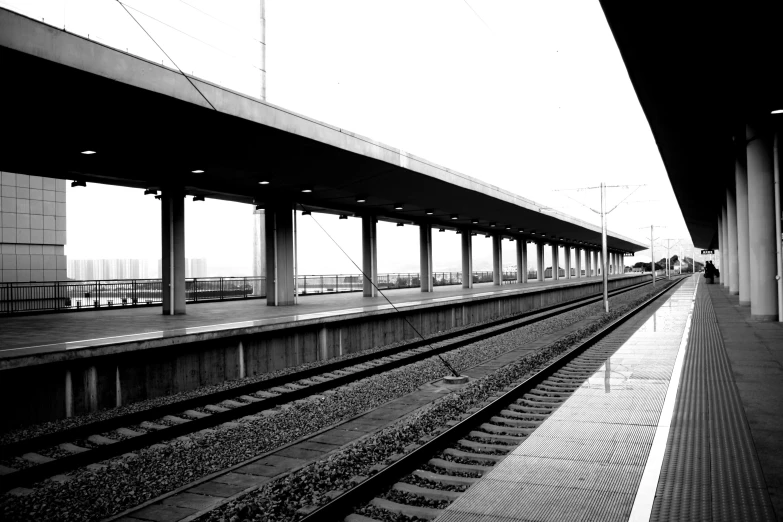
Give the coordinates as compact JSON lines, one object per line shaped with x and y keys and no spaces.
{"x":33,"y":234}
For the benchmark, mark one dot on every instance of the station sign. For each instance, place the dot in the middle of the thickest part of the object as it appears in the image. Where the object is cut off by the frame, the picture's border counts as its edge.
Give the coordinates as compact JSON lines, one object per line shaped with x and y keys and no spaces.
{"x":704,"y":252}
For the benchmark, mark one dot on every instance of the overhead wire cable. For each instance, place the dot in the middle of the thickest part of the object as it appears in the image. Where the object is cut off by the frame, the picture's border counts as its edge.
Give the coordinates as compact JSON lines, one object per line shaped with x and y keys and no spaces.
{"x":167,"y":55}
{"x":368,"y":278}
{"x":221,"y":21}
{"x":477,"y":15}
{"x":218,"y":49}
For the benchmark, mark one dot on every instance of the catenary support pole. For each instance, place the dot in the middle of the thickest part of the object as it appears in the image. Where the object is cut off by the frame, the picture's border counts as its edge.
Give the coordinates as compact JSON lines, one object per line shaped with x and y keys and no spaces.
{"x":603,"y":248}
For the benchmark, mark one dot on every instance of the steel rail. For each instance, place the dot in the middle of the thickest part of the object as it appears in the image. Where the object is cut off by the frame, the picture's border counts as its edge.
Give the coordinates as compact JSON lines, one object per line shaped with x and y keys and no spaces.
{"x":66,"y":463}
{"x":363,"y":492}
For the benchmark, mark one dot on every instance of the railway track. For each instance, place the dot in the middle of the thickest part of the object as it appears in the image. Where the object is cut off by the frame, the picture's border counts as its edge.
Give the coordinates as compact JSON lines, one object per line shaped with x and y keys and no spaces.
{"x":92,"y":443}
{"x":425,"y":481}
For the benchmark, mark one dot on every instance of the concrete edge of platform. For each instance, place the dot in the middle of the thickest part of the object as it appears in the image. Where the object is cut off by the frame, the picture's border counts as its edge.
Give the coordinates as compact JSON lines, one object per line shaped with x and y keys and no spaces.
{"x":73,"y":350}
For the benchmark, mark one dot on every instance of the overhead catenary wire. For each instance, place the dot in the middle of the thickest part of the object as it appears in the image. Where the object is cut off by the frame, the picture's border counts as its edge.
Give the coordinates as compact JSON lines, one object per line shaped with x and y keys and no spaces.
{"x":368,"y":278}
{"x":218,"y":49}
{"x":167,"y":55}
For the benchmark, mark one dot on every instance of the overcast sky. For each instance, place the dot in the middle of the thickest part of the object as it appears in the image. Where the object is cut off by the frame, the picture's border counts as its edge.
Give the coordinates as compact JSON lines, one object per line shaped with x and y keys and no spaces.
{"x":532,"y":97}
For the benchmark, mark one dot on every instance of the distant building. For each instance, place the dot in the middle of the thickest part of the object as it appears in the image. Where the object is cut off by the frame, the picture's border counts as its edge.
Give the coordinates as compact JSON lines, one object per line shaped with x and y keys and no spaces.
{"x":104,"y":269}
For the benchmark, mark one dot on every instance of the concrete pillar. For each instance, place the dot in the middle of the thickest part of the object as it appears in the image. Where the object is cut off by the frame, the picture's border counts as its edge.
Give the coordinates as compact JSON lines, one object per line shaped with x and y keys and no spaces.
{"x":555,"y":263}
{"x":731,"y":215}
{"x":521,"y":261}
{"x":725,"y":278}
{"x":761,"y":224}
{"x":173,"y":250}
{"x":587,"y":262}
{"x":425,"y":257}
{"x":369,"y":257}
{"x":594,"y":256}
{"x":540,"y":261}
{"x":91,"y":389}
{"x":68,"y":394}
{"x":467,"y":259}
{"x":280,"y":255}
{"x":567,"y":254}
{"x":720,"y":245}
{"x":743,"y":233}
{"x":497,"y":260}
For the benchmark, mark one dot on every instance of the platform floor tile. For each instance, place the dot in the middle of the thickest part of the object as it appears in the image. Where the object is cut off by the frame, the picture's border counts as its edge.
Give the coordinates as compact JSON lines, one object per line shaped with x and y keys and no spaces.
{"x":586,"y":461}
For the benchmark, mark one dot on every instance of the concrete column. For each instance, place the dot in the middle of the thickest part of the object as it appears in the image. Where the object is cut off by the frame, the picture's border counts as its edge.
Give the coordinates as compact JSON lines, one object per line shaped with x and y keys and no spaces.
{"x":497,"y":260}
{"x":743,"y":233}
{"x":725,"y":278}
{"x":555,"y":274}
{"x":467,"y":259}
{"x":280,"y":255}
{"x":369,"y":256}
{"x":731,"y":215}
{"x":521,"y":261}
{"x":578,"y":260}
{"x":588,"y":265}
{"x":594,"y":256}
{"x":540,"y":261}
{"x":720,"y":245}
{"x":173,"y":251}
{"x":425,"y":257}
{"x":761,"y":224}
{"x":567,"y":254}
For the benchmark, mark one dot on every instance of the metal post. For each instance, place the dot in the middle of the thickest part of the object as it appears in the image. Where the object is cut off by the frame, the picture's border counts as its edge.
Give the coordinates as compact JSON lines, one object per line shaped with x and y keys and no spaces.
{"x":778,"y":236}
{"x":652,"y":255}
{"x":603,"y":248}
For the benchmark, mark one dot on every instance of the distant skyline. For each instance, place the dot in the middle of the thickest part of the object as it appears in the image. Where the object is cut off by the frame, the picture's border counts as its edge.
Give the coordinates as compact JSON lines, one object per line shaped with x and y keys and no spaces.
{"x":535,"y":101}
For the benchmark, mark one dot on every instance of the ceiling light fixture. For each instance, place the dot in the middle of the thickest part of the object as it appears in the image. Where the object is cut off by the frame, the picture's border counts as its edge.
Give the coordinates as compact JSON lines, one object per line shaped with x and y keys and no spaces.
{"x":343,"y":216}
{"x":361,"y":199}
{"x":307,"y":190}
{"x":454,"y":216}
{"x":398,"y":206}
{"x":150,"y":191}
{"x":198,"y":198}
{"x":777,"y":111}
{"x":88,"y":152}
{"x":263,"y":183}
{"x":492,"y":224}
{"x":197,"y":171}
{"x":78,"y":184}
{"x":474,"y":221}
{"x":429,"y":211}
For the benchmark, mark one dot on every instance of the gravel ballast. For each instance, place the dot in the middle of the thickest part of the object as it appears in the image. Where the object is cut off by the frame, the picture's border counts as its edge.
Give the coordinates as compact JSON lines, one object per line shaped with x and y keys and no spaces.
{"x":131,"y":480}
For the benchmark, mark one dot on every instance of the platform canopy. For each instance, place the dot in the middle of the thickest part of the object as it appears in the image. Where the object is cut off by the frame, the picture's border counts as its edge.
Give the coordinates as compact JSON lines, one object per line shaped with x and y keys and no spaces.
{"x":151,"y":128}
{"x":700,"y":71}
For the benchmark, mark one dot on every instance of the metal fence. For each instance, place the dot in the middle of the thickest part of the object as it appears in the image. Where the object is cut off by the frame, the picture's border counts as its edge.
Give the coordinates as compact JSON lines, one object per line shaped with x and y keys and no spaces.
{"x":89,"y":295}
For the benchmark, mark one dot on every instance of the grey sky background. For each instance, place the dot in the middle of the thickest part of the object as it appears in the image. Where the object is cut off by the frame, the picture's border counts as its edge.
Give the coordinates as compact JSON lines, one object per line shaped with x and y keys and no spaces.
{"x":532,"y":97}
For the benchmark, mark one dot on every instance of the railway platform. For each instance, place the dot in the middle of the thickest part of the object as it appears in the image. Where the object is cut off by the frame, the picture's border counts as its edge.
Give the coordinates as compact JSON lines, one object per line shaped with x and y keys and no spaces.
{"x":74,"y":363}
{"x":680,"y":423}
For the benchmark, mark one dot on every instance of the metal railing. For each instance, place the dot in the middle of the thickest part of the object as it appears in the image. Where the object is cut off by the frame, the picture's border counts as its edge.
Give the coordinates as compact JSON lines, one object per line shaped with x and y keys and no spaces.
{"x":89,"y":295}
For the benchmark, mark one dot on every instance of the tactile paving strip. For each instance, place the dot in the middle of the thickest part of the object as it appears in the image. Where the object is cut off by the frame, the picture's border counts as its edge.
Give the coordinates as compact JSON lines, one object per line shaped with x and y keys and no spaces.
{"x":710,"y":469}
{"x":585,"y":462}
